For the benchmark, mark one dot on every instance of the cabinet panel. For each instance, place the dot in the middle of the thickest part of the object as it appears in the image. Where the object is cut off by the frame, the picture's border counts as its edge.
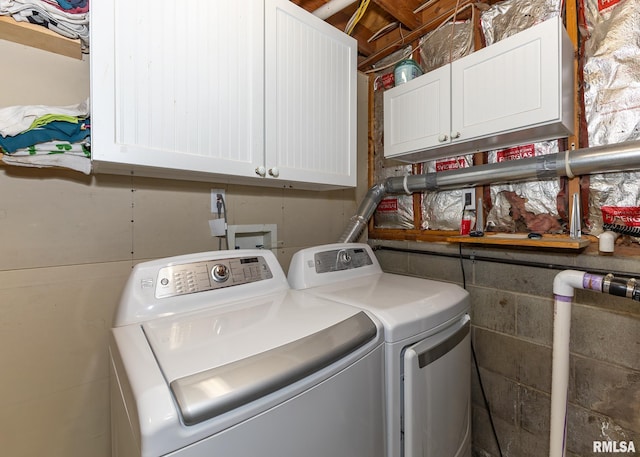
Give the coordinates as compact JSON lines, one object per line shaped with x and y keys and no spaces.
{"x":253,"y":92}
{"x":417,"y":113}
{"x":517,"y":90}
{"x":513,"y":83}
{"x":168,"y":89}
{"x":310,"y":97}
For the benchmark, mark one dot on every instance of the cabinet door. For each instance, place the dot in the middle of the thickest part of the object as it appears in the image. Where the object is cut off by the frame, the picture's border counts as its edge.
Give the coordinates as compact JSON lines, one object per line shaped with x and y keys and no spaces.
{"x":514,"y":84}
{"x":310,"y":90}
{"x":177,"y":88}
{"x":417,"y":113}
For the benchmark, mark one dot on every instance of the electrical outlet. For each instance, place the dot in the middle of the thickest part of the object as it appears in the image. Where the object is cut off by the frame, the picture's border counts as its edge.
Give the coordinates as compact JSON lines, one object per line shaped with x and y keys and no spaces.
{"x":469,"y":199}
{"x":214,"y":200}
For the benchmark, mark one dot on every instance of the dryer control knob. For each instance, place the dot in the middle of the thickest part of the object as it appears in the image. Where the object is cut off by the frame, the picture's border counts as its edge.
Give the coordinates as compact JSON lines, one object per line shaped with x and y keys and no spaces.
{"x":220,"y":272}
{"x":344,"y":257}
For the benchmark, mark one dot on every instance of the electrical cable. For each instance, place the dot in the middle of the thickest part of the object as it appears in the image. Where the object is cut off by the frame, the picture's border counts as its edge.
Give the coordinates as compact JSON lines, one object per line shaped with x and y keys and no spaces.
{"x":453,"y":25}
{"x":222,"y":209}
{"x":475,"y":360}
{"x":480,"y":258}
{"x":464,"y":278}
{"x":362,"y":8}
{"x":484,"y":397}
{"x":405,"y":55}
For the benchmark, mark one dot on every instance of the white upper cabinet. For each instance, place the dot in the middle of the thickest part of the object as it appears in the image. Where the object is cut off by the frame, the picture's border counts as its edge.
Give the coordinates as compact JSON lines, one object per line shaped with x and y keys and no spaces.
{"x":417,"y":114}
{"x":310,"y":88}
{"x":515,"y":91}
{"x":224,"y":91}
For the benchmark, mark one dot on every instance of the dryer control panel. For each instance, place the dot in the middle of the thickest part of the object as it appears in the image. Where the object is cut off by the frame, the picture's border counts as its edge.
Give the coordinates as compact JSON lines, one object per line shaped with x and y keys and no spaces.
{"x":346,"y":258}
{"x":206,"y":275}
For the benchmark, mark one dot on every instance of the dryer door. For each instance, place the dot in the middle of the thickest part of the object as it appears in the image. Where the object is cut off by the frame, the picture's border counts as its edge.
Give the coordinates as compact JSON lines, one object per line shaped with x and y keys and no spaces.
{"x":437,"y":394}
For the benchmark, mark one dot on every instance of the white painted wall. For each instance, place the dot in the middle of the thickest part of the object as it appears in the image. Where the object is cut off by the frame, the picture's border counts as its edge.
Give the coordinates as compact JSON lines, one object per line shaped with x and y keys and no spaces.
{"x":67,"y":245}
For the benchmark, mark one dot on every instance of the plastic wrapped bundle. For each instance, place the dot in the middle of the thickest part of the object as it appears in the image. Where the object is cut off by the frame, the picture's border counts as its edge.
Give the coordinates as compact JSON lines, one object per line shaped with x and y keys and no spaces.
{"x":448,"y":42}
{"x":512,"y":16}
{"x":527,"y":206}
{"x":445,"y":44}
{"x":394,"y":211}
{"x":612,"y":105}
{"x":443,"y":210}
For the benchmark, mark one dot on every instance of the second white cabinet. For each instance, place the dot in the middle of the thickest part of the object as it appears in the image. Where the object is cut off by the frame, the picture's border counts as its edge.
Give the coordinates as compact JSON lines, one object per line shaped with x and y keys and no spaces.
{"x":254,"y":92}
{"x":517,"y":90}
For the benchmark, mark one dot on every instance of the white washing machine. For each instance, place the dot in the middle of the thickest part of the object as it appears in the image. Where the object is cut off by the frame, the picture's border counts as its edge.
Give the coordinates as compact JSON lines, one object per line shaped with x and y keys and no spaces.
{"x":427,"y":345}
{"x":213,"y":354}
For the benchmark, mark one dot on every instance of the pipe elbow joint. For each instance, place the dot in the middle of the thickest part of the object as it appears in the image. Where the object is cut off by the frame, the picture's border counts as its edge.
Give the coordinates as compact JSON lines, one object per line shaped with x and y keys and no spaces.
{"x":567,"y":281}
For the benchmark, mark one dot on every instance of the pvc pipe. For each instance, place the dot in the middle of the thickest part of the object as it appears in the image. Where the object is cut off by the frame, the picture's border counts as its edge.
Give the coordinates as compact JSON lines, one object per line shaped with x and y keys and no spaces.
{"x":564,"y":285}
{"x":567,"y":281}
{"x":607,"y":241}
{"x":559,"y":375}
{"x":332,"y":7}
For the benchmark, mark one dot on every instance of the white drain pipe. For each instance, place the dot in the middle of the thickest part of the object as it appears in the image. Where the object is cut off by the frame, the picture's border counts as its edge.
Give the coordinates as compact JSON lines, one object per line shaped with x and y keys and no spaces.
{"x":564,"y":285}
{"x":332,"y":7}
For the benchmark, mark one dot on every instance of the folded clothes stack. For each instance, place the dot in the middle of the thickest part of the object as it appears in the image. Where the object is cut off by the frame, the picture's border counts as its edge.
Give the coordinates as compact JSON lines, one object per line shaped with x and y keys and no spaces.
{"x":46,"y":136}
{"x":69,"y":18}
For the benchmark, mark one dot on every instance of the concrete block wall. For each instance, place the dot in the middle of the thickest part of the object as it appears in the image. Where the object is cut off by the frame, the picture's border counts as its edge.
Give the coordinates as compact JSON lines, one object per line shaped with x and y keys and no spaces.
{"x":512,"y":322}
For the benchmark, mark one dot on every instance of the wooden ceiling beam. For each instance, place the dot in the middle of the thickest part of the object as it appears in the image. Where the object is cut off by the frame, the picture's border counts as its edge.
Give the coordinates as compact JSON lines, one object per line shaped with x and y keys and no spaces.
{"x":401,"y":10}
{"x":436,"y":14}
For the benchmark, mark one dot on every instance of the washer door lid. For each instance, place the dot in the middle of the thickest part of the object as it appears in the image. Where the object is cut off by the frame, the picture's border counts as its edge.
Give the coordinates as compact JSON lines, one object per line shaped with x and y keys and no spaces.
{"x":207,"y":394}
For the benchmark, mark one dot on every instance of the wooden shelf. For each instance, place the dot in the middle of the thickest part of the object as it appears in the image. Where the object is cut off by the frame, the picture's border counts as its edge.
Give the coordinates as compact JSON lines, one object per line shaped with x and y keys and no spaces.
{"x":521,"y":239}
{"x":39,"y":37}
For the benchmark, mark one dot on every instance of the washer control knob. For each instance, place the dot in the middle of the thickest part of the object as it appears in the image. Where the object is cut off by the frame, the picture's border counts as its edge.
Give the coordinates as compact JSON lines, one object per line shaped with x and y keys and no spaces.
{"x":220,"y":272}
{"x":274,"y":172}
{"x":261,"y":171}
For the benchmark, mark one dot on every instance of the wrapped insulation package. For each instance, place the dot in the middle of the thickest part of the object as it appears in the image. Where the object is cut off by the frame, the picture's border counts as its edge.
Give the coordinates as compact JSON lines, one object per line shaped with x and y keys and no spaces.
{"x":394,"y":211}
{"x":528,"y":206}
{"x":448,"y":42}
{"x":612,"y":105}
{"x":512,"y":16}
{"x":445,"y":44}
{"x":443,"y":210}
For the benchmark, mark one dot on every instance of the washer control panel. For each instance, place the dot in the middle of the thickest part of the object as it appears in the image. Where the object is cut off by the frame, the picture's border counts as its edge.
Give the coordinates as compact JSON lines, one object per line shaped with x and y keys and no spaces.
{"x":341,"y":259}
{"x":201,"y":276}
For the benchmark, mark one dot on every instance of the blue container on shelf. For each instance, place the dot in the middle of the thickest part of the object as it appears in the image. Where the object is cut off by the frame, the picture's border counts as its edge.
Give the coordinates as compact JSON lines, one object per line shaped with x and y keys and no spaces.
{"x":406,"y":70}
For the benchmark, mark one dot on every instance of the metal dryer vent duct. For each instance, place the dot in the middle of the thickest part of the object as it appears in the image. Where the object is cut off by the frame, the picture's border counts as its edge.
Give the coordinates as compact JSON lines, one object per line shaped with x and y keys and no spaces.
{"x":599,"y":159}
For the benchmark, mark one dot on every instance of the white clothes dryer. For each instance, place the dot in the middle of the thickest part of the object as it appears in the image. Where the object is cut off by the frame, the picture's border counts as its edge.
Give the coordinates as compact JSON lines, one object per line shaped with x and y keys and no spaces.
{"x":427,"y":345}
{"x":213,"y":354}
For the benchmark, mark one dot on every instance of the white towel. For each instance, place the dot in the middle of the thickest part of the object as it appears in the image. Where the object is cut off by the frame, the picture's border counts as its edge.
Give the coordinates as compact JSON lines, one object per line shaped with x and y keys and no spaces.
{"x":17,"y":119}
{"x":74,"y":162}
